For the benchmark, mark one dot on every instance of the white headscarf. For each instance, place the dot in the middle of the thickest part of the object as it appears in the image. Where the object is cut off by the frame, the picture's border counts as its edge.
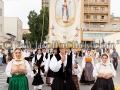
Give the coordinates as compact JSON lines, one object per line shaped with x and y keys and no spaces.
{"x":108,"y":60}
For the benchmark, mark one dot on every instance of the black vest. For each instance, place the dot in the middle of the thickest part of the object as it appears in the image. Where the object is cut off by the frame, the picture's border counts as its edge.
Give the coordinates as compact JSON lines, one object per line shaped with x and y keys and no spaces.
{"x":51,"y":56}
{"x":38,"y":75}
{"x":71,"y":54}
{"x":46,"y":55}
{"x":68,"y":69}
{"x":40,"y":60}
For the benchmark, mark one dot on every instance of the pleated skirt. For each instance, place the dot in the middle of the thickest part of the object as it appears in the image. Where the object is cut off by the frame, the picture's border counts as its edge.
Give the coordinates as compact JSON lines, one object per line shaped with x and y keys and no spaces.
{"x":82,"y":80}
{"x":18,"y":82}
{"x":103,"y":84}
{"x":59,"y":84}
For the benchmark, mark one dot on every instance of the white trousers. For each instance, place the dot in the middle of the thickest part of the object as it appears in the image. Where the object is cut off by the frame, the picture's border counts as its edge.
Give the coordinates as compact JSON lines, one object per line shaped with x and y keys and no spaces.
{"x":37,"y":87}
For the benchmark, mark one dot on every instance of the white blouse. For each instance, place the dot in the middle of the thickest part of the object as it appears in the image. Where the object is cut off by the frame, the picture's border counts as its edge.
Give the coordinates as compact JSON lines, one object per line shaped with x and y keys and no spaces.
{"x":77,"y":71}
{"x":100,"y":69}
{"x":105,"y":69}
{"x":9,"y":68}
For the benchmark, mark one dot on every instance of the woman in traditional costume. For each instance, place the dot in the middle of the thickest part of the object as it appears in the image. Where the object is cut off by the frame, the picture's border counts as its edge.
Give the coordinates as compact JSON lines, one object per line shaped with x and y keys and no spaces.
{"x":17,"y":70}
{"x":87,"y":66}
{"x":104,"y":71}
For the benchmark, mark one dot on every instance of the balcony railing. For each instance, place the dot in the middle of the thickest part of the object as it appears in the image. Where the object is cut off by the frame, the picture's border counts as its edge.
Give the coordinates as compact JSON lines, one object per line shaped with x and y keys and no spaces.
{"x":95,"y":20}
{"x":96,"y":11}
{"x":96,"y":3}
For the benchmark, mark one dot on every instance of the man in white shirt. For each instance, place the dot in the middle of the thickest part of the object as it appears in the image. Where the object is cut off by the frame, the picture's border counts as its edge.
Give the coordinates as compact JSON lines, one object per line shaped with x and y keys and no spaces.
{"x":61,"y":65}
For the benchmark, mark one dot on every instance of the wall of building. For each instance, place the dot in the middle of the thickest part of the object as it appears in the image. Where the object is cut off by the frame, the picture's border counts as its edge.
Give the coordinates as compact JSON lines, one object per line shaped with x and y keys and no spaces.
{"x":1,"y":21}
{"x":14,"y":28}
{"x":95,"y":28}
{"x":114,"y":38}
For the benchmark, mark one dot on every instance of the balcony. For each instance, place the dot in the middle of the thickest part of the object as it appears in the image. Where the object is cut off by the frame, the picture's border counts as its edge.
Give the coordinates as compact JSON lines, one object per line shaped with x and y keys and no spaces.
{"x":95,"y":20}
{"x":96,"y":11}
{"x":96,"y":3}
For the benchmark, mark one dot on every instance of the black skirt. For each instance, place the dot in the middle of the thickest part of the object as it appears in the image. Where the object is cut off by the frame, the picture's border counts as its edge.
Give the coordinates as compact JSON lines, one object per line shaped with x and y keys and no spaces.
{"x":60,"y":84}
{"x":37,"y":81}
{"x":50,"y":73}
{"x":103,"y":84}
{"x":82,"y":80}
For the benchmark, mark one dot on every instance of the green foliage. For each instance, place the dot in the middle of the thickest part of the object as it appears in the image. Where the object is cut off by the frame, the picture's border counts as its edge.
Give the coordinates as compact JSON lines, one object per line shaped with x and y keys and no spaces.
{"x":35,"y":22}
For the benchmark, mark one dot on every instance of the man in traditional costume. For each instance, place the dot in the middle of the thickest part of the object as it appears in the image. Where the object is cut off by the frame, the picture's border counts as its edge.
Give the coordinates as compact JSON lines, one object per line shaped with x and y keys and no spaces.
{"x":61,"y":65}
{"x":50,"y":73}
{"x":76,"y":71}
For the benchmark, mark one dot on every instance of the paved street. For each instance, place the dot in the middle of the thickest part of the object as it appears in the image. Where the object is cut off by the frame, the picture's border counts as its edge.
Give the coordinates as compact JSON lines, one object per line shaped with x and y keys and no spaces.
{"x":45,"y":87}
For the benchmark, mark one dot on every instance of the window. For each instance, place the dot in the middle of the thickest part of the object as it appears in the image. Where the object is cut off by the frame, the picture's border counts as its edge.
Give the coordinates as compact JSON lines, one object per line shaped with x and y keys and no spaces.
{"x":87,"y":16}
{"x":0,"y":27}
{"x":88,"y":8}
{"x":95,"y":8}
{"x":87,"y":25}
{"x":86,"y":35}
{"x":94,"y":16}
{"x":102,"y":8}
{"x":102,"y":25}
{"x":114,"y":25}
{"x":95,"y":25}
{"x":0,"y":12}
{"x":102,"y":17}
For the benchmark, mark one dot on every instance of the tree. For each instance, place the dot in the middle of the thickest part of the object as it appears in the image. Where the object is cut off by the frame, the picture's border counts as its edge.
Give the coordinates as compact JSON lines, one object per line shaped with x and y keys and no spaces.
{"x":38,"y":25}
{"x":44,"y":22}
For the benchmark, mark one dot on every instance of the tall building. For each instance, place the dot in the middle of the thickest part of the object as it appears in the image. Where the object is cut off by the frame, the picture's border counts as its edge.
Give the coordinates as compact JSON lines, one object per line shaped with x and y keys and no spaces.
{"x":13,"y":29}
{"x":45,"y":3}
{"x":96,"y":20}
{"x":1,"y":21}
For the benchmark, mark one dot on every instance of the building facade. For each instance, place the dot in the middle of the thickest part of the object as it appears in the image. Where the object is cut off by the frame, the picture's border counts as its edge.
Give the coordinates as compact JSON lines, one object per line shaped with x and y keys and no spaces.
{"x":1,"y":21}
{"x":13,"y":29}
{"x":97,"y":21}
{"x":45,"y":3}
{"x":111,"y":41}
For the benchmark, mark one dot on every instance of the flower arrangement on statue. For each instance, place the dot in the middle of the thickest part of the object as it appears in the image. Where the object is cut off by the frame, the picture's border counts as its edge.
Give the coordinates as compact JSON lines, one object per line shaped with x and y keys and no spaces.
{"x":88,"y":59}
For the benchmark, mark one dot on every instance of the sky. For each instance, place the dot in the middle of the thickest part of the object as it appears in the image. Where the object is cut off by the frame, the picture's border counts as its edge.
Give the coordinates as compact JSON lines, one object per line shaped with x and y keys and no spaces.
{"x":21,"y":9}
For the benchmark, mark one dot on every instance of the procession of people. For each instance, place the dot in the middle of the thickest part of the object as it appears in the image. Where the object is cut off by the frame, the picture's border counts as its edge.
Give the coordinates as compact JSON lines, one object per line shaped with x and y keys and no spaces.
{"x":61,"y":69}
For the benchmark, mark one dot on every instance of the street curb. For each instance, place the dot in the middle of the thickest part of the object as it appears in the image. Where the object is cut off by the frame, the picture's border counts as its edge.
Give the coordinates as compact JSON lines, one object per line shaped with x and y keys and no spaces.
{"x":2,"y":88}
{"x":117,"y":84}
